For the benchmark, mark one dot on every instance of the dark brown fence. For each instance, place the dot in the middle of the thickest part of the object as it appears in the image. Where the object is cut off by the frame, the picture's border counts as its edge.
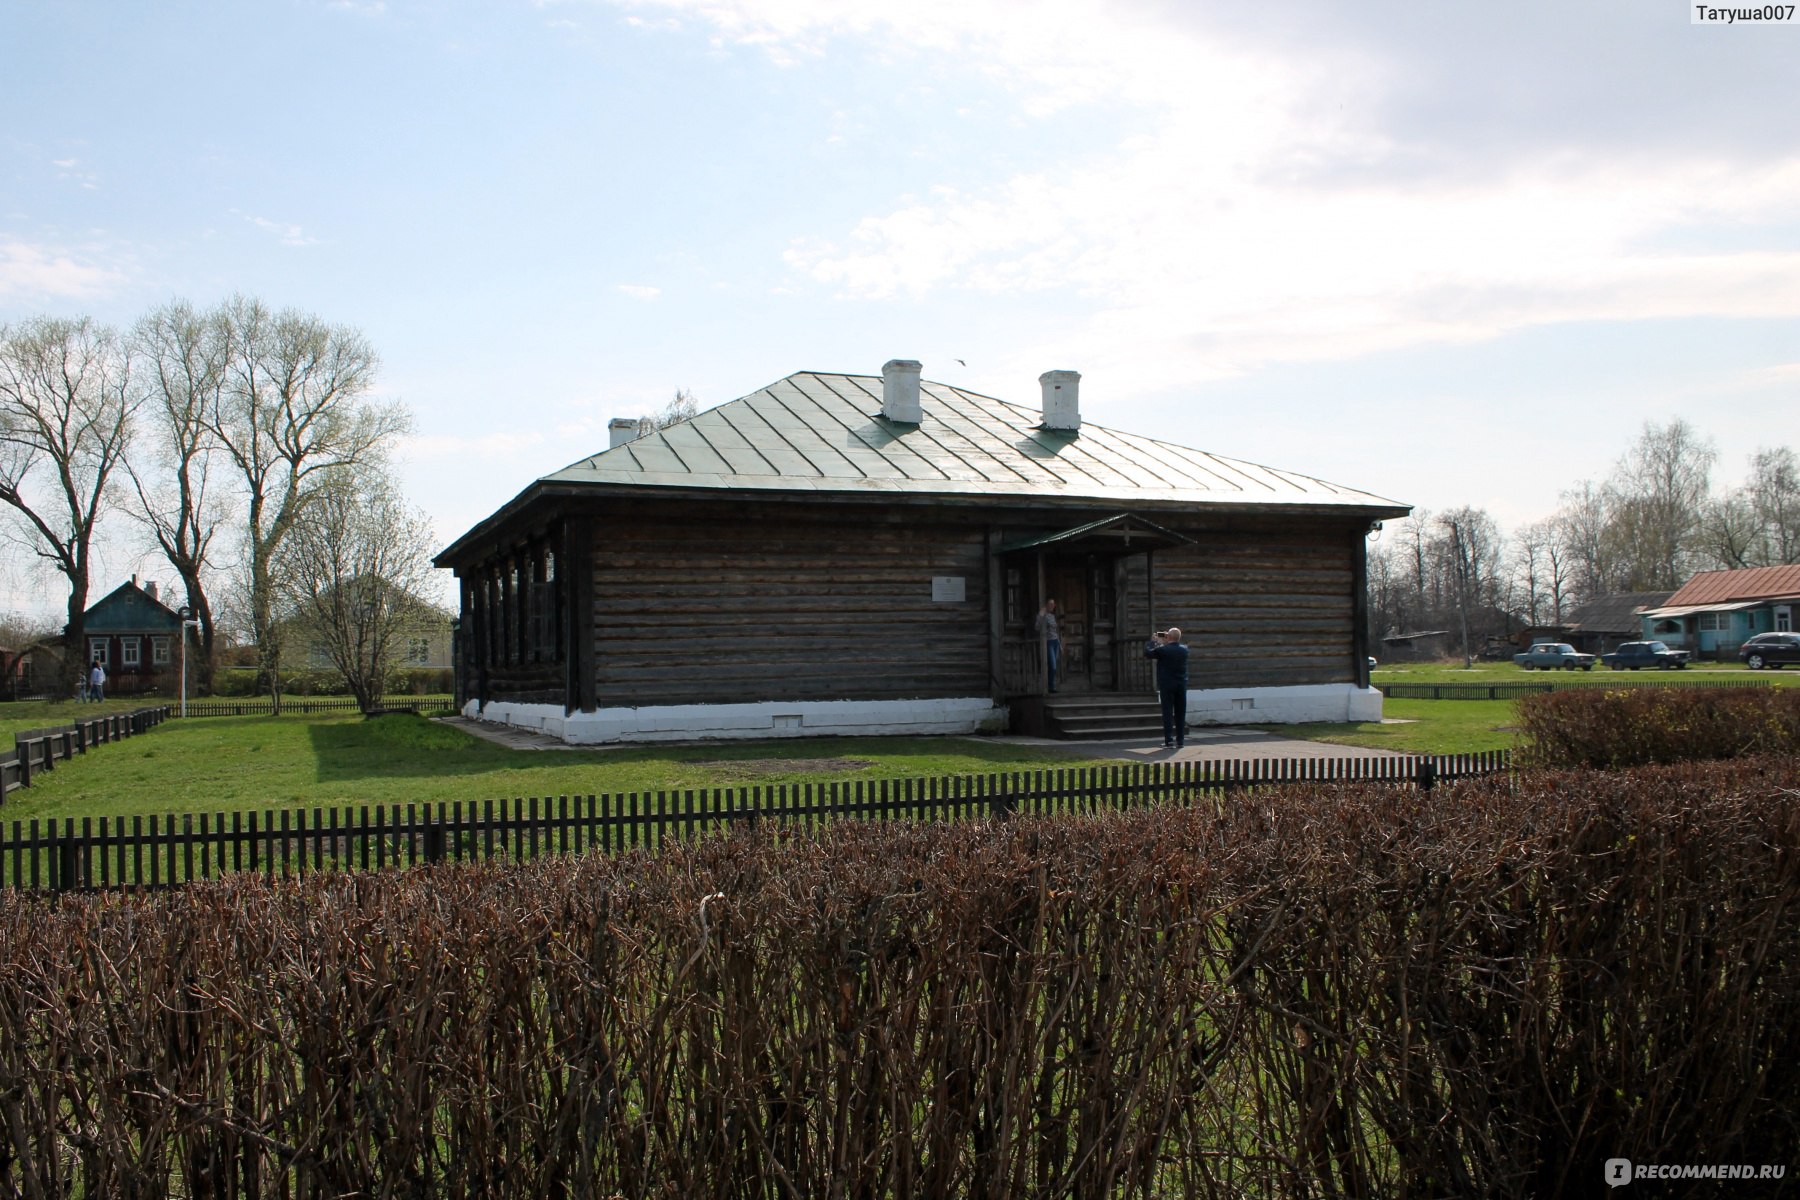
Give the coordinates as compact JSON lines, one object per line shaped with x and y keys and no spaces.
{"x":39,"y":750}
{"x":261,"y":707}
{"x":85,"y":852}
{"x":1513,"y":691}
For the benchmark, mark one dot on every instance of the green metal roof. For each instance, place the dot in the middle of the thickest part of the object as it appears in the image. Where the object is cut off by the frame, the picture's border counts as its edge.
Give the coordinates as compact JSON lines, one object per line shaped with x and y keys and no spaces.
{"x":825,"y":433}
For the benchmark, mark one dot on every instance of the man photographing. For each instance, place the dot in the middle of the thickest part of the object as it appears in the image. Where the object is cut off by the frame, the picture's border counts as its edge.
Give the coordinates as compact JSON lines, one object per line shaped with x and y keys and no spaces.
{"x":1171,"y":683}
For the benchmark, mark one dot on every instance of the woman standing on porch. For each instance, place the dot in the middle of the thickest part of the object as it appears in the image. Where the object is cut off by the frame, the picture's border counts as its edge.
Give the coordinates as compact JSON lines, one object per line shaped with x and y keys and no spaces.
{"x":1047,"y":630}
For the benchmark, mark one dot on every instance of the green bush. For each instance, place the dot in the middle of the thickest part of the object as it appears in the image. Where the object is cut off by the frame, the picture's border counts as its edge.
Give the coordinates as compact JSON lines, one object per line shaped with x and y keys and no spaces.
{"x":1594,"y":727}
{"x":403,"y":681}
{"x":1487,"y":989}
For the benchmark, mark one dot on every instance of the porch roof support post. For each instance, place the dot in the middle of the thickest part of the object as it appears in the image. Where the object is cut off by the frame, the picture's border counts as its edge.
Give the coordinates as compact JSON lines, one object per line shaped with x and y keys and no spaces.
{"x":996,"y":616}
{"x":1359,"y":589}
{"x":1040,"y":668}
{"x":1150,"y":586}
{"x":583,"y":683}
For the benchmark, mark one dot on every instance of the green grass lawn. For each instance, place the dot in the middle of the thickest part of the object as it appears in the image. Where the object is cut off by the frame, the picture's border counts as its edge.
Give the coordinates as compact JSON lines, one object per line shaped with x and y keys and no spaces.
{"x":22,"y":715}
{"x":1420,"y":727}
{"x":223,"y":764}
{"x":1496,"y":672}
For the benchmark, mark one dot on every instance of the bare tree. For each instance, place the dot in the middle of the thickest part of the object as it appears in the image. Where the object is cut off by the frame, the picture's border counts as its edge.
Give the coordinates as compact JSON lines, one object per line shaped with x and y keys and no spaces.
{"x":66,"y":405}
{"x":1471,"y":546}
{"x":354,"y":573}
{"x":184,"y":354}
{"x":1660,"y":491}
{"x":294,"y":409}
{"x":683,"y":407}
{"x":1731,"y":534}
{"x":1774,"y":495}
{"x":1540,"y":572}
{"x":1582,"y":524}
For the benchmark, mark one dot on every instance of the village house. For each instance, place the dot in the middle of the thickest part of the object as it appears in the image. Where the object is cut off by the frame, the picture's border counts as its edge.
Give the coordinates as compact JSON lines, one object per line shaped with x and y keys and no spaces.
{"x":839,"y":554}
{"x":136,"y":637}
{"x":1715,"y":612}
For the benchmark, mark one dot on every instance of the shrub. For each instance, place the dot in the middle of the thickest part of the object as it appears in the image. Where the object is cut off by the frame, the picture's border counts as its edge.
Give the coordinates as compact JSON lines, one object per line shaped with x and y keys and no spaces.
{"x":1624,"y":727}
{"x":1487,"y":989}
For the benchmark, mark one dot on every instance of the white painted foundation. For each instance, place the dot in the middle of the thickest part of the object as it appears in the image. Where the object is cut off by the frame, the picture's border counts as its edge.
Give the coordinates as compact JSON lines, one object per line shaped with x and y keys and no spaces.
{"x":825,"y":718}
{"x":1283,"y":705}
{"x":699,"y":722}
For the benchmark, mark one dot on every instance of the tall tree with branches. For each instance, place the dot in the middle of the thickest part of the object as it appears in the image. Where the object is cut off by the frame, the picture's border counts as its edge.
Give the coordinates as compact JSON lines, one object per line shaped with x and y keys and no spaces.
{"x":1660,"y":492}
{"x":1773,"y":492}
{"x":66,"y":407}
{"x":183,"y":355}
{"x":293,"y":410}
{"x":1471,"y":547}
{"x":353,"y":576}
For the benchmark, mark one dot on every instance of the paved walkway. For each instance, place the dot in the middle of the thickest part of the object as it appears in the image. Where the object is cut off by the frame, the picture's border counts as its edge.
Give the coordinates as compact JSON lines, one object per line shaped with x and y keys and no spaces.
{"x":1204,"y":745}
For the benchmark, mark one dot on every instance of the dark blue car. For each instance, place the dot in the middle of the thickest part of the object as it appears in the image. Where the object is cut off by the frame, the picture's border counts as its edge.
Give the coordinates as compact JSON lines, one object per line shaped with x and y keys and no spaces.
{"x":1633,"y":656}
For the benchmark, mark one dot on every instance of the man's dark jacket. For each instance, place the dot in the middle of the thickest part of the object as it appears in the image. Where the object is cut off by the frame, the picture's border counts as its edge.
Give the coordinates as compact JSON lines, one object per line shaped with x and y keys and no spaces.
{"x":1171,"y":665}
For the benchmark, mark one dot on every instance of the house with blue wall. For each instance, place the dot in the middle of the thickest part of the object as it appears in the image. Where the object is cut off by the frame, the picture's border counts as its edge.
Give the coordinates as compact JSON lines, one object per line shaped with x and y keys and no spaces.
{"x":1715,"y":612}
{"x":135,"y":636}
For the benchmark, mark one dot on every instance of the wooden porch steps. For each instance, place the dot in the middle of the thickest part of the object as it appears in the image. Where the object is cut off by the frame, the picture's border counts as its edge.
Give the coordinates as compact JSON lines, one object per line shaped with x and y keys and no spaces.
{"x":1103,"y":717}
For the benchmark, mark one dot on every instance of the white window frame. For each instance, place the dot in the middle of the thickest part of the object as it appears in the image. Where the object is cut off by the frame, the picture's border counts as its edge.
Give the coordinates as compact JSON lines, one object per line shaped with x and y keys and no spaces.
{"x":159,"y":651}
{"x":100,"y":651}
{"x":131,"y":652}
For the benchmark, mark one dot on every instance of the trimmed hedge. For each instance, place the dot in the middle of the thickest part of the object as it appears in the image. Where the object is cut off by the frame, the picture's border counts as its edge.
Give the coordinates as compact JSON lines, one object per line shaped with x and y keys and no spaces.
{"x":1628,"y":727}
{"x":1486,"y":989}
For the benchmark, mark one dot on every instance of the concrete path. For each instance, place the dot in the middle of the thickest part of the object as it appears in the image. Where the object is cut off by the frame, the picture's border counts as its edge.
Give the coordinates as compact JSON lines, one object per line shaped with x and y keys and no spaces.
{"x":1203,"y":745}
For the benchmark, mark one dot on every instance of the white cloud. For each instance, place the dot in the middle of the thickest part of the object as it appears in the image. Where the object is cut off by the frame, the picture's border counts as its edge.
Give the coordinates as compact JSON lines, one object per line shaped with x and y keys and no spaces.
{"x":639,"y":291}
{"x":289,"y":233}
{"x":28,"y":272}
{"x":1252,"y":211}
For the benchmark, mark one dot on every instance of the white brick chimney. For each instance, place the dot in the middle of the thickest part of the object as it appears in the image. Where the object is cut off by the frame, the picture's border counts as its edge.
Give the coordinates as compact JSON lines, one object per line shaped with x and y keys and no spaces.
{"x":621,"y":430}
{"x":1062,"y":399}
{"x":900,"y":391}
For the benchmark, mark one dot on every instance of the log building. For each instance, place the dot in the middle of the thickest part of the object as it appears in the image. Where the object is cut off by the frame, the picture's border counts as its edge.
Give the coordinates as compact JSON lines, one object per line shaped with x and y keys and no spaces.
{"x":861,"y":554}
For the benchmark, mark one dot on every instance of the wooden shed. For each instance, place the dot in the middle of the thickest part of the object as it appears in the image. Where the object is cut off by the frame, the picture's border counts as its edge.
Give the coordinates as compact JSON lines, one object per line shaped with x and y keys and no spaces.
{"x":867,"y":554}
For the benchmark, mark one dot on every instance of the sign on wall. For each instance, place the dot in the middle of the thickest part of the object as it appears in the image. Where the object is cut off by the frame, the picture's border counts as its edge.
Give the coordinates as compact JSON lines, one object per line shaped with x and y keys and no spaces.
{"x":948,"y":589}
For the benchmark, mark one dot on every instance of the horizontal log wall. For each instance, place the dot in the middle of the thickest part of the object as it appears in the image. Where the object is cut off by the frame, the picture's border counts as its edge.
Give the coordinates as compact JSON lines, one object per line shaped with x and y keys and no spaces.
{"x":725,"y":605}
{"x":1256,"y":608}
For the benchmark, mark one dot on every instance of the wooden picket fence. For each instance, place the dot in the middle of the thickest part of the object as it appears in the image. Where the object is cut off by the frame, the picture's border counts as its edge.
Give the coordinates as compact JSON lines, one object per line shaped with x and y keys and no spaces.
{"x":37,"y":751}
{"x":139,"y":852}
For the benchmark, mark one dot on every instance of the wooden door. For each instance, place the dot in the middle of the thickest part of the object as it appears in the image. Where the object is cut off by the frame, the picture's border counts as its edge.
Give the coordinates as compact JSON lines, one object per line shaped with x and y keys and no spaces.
{"x":1069,"y":585}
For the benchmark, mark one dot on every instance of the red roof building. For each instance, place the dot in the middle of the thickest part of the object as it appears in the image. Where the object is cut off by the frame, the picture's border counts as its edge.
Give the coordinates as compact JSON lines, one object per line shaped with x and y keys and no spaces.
{"x":1715,"y":611}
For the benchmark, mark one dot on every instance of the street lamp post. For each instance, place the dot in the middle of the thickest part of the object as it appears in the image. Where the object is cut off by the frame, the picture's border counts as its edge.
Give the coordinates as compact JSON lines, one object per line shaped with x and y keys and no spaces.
{"x":187,"y":622}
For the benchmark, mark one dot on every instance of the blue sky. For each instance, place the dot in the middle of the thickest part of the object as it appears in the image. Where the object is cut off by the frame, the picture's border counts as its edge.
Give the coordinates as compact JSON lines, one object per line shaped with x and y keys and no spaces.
{"x":1452,"y":254}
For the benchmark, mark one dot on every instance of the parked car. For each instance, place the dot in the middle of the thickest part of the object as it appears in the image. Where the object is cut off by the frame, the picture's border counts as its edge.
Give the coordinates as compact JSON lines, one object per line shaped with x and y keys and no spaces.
{"x":1771,"y":650}
{"x":1551,"y":656}
{"x":1635,"y":655}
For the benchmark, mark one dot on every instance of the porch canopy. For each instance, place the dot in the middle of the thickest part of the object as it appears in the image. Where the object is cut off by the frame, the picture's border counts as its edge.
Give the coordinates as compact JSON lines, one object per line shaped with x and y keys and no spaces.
{"x":1084,"y":565}
{"x":1126,"y":533}
{"x":1688,"y":610}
